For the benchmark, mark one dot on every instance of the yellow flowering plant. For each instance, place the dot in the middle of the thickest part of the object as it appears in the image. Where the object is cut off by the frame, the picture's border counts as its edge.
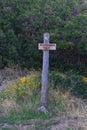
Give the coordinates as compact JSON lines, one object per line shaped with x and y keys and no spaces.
{"x":85,"y":79}
{"x":23,"y":88}
{"x":23,"y":79}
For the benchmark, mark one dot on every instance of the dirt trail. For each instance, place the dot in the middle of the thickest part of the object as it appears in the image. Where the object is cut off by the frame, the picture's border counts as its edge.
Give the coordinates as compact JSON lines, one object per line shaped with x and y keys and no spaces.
{"x":50,"y":124}
{"x":71,"y":125}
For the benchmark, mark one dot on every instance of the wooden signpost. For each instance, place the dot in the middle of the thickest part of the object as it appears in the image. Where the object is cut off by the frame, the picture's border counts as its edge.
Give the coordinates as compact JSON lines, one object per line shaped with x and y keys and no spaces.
{"x":46,"y":46}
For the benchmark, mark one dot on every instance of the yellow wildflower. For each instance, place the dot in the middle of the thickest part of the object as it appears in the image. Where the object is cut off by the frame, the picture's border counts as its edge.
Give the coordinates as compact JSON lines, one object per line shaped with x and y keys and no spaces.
{"x":23,"y":79}
{"x":85,"y":79}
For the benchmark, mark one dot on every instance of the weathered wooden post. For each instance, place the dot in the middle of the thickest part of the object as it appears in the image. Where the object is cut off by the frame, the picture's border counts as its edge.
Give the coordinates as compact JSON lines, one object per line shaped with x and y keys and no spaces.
{"x":46,"y":46}
{"x":45,"y":72}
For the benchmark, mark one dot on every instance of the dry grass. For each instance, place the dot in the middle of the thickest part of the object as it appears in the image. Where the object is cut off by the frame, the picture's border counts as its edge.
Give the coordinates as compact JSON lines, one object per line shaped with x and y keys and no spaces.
{"x":70,"y":105}
{"x":6,"y":106}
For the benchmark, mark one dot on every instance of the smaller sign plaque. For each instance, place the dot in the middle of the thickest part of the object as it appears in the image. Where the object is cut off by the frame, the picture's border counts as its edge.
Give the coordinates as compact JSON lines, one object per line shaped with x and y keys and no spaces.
{"x":48,"y":47}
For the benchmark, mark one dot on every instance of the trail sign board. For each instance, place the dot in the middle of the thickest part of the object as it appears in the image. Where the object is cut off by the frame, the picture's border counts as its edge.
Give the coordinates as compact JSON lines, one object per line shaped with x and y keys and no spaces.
{"x":42,"y":46}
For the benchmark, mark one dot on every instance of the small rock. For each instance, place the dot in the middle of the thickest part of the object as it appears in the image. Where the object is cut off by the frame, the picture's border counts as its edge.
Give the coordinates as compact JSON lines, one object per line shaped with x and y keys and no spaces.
{"x":43,"y":109}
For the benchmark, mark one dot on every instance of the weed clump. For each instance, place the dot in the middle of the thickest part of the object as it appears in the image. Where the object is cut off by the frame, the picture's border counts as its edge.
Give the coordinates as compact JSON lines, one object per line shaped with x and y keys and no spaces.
{"x":22,"y":89}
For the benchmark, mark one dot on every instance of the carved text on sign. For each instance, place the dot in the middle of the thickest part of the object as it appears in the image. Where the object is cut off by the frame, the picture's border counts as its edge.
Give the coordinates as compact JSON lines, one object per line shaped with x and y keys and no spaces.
{"x":42,"y":46}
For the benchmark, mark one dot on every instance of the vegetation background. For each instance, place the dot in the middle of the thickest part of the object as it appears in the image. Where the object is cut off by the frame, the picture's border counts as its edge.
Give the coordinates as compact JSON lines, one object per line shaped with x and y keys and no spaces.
{"x":23,"y":22}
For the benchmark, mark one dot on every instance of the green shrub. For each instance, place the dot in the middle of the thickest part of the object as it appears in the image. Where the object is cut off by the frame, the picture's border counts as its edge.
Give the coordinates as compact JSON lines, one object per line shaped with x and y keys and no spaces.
{"x":69,"y":82}
{"x":59,"y":81}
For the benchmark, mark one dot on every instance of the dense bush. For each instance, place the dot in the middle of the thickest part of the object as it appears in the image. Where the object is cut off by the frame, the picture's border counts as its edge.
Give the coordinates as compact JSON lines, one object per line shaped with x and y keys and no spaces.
{"x":69,"y":82}
{"x":23,"y":22}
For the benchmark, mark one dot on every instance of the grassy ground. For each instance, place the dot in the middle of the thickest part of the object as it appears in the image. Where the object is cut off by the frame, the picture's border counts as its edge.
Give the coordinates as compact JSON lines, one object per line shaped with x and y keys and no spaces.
{"x":65,"y":115}
{"x":65,"y":111}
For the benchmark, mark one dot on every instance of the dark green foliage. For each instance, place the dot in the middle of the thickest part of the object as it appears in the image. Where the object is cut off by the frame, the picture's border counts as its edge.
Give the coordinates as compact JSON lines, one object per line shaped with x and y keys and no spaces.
{"x":69,"y":82}
{"x":59,"y":81}
{"x":23,"y":22}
